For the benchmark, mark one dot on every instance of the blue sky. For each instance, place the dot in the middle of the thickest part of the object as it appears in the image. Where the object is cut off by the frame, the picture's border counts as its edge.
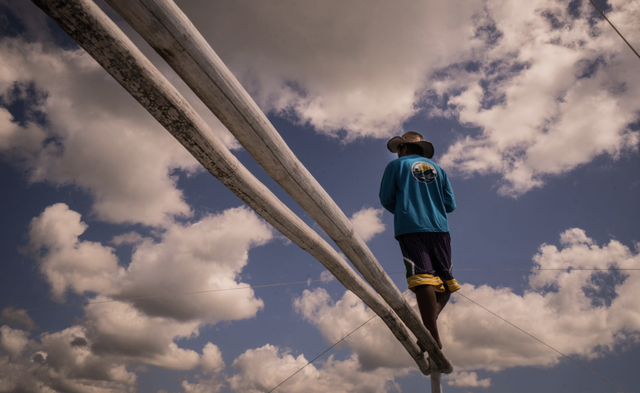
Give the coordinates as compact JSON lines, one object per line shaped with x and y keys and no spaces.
{"x":534,"y":113}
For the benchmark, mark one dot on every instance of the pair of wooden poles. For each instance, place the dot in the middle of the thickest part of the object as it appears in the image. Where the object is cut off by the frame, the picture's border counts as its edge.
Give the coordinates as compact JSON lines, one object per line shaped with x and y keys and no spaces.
{"x":167,"y":29}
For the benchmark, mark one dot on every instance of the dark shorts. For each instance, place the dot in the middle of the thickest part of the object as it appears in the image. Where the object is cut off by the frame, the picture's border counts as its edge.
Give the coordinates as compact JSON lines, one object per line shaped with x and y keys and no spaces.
{"x":427,"y":258}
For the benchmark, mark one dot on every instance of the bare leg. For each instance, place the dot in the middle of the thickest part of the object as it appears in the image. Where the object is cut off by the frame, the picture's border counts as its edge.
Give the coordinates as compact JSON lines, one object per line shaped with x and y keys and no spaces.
{"x":430,"y":307}
{"x":441,"y":299}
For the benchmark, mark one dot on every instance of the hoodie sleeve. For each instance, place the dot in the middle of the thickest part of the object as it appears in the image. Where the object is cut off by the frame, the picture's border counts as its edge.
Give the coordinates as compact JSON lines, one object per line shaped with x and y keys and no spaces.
{"x":388,"y":188}
{"x":449,"y":199}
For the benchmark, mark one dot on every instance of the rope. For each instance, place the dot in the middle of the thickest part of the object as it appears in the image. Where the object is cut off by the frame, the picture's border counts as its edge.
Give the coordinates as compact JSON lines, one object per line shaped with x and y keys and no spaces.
{"x":542,"y":342}
{"x":614,"y":28}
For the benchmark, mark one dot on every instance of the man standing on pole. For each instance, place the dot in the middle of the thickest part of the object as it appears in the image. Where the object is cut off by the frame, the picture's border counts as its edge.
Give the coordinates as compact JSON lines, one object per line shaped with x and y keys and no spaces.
{"x":418,"y":194}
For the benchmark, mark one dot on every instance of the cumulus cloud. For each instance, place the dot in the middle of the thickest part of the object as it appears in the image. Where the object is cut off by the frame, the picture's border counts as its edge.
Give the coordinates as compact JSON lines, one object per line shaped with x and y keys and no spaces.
{"x":358,"y":68}
{"x":585,"y":313}
{"x":543,"y":89}
{"x":577,"y":310}
{"x":467,"y":379}
{"x":67,"y":262}
{"x":548,"y":88}
{"x":368,"y":222}
{"x":85,"y":130}
{"x":327,"y":276}
{"x":374,"y":344}
{"x":117,"y":331}
{"x":261,"y":369}
{"x":63,"y":361}
{"x":13,"y":340}
{"x":79,"y":127}
{"x":205,"y":255}
{"x":95,"y":354}
{"x":19,"y":317}
{"x":203,"y":385}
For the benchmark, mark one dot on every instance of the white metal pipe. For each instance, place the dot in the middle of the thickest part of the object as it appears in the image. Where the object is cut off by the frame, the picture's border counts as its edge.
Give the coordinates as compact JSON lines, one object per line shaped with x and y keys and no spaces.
{"x":170,"y":32}
{"x":110,"y":47}
{"x":436,"y":384}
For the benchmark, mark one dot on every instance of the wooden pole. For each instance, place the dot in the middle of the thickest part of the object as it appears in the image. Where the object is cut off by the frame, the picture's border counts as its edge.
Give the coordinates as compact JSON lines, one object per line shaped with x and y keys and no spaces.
{"x":168,"y":30}
{"x":110,"y":47}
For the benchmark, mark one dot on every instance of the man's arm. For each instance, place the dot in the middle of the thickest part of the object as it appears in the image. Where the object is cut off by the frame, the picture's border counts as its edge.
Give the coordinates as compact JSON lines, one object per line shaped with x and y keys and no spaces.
{"x":449,"y":199}
{"x":388,"y":189}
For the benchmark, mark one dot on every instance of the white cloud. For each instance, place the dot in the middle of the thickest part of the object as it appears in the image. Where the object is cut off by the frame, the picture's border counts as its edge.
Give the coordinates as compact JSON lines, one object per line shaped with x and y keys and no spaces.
{"x":327,"y":276}
{"x":206,"y":255}
{"x":95,"y":354}
{"x":362,"y":70}
{"x":333,"y":64}
{"x":212,"y":385}
{"x":581,"y":313}
{"x":13,"y":316}
{"x":13,"y":340}
{"x":467,"y":379}
{"x":374,"y":344}
{"x":547,"y":90}
{"x":544,"y":90}
{"x":62,"y":361}
{"x":114,"y":332}
{"x":118,"y":329}
{"x":67,"y":262}
{"x":368,"y":222}
{"x":80,"y":127}
{"x":262,"y":369}
{"x":96,"y":136}
{"x":212,"y":358}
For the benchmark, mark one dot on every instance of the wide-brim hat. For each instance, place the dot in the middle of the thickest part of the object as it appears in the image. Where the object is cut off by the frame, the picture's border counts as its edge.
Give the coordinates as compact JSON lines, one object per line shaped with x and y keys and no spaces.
{"x":413,"y":138}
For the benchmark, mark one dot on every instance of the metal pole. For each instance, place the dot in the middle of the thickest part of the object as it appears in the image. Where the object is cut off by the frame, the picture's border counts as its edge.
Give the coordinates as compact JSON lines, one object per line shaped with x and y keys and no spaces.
{"x":436,"y":386}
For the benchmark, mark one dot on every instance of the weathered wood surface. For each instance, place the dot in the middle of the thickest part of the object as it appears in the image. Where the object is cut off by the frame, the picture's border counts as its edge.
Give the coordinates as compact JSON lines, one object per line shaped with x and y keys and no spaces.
{"x":168,"y":30}
{"x":102,"y":39}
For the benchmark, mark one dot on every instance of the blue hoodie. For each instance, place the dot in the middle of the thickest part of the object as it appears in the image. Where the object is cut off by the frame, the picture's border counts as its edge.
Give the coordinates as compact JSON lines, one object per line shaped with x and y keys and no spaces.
{"x":418,"y":193}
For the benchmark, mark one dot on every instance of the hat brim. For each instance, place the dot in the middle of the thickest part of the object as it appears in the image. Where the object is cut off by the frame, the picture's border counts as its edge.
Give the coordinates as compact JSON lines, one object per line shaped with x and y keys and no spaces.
{"x":427,"y":147}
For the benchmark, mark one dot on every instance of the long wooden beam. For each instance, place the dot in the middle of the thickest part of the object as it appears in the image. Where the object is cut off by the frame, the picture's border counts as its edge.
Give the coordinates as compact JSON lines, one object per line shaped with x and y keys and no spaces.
{"x":170,"y":32}
{"x":110,"y":47}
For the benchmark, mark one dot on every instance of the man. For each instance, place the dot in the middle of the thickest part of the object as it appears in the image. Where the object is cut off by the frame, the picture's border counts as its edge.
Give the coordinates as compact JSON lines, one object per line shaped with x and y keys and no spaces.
{"x":418,"y":193}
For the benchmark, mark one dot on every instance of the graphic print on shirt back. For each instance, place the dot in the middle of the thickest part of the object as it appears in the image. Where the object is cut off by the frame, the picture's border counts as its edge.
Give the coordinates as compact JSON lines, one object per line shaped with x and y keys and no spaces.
{"x":424,"y":172}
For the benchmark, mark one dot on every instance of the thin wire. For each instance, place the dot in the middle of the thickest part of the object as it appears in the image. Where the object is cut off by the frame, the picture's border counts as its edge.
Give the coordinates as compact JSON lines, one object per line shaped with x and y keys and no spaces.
{"x":477,"y":304}
{"x":566,"y":269}
{"x":354,"y":330}
{"x":279,"y":284}
{"x":171,"y":294}
{"x":540,"y":341}
{"x":571,"y":269}
{"x":325,"y":351}
{"x":614,"y":28}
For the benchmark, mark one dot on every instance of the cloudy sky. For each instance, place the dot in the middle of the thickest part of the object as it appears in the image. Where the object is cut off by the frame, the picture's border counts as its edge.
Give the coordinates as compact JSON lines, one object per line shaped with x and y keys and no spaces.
{"x":534,"y":111}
